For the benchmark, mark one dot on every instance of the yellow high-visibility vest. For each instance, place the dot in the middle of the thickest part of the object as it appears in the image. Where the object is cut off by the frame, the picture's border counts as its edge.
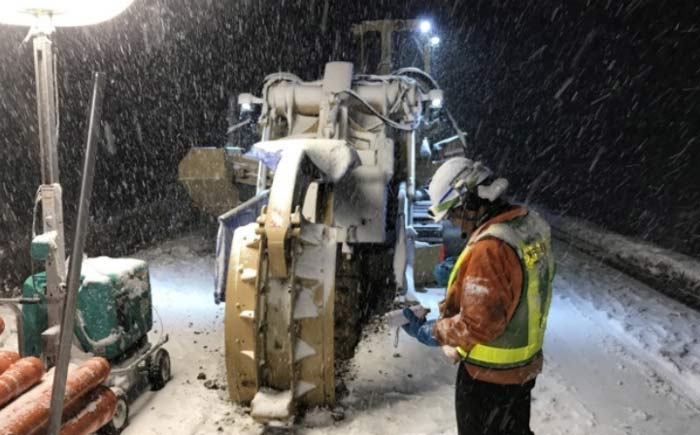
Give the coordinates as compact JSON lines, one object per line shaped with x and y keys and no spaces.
{"x":522,"y":340}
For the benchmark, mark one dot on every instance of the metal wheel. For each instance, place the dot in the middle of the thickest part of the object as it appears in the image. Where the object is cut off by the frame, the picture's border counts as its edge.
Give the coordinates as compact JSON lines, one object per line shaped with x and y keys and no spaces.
{"x":280,"y":298}
{"x":241,"y":315}
{"x":159,"y":370}
{"x":121,"y":416}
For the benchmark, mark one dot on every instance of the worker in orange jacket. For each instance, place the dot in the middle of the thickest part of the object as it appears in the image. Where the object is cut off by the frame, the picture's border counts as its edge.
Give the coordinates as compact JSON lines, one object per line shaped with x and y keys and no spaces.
{"x":494,"y":315}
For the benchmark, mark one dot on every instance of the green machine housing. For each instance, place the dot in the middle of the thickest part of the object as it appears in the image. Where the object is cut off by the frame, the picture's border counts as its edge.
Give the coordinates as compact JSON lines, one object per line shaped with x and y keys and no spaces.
{"x":114,"y":311}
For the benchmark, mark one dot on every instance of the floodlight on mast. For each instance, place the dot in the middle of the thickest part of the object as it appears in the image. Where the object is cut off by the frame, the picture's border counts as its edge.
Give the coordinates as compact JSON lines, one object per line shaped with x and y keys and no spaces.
{"x":43,"y":16}
{"x":60,"y":13}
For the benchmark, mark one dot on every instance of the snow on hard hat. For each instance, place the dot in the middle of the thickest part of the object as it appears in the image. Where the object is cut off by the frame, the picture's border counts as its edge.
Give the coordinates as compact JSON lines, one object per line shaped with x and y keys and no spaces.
{"x":454,"y":179}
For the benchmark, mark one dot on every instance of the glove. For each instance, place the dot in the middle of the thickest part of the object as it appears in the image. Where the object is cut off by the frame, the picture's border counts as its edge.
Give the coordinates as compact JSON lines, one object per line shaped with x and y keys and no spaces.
{"x":419,"y":328}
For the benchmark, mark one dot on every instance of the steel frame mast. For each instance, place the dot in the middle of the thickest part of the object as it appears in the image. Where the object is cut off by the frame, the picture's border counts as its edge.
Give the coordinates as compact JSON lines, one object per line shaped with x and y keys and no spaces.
{"x":50,"y":192}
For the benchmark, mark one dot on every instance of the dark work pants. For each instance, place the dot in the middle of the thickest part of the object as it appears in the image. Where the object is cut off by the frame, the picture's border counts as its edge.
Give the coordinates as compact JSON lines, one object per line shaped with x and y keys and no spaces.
{"x":491,"y":409}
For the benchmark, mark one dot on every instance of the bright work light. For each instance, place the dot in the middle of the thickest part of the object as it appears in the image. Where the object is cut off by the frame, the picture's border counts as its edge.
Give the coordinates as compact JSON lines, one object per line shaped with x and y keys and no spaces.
{"x":425,"y":26}
{"x":434,"y":41}
{"x":246,"y":101}
{"x":436,"y":96}
{"x":60,"y":13}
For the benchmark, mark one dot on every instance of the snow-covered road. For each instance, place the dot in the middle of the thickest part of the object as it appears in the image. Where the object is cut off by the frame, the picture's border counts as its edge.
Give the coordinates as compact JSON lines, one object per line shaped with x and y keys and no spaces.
{"x":620,"y":359}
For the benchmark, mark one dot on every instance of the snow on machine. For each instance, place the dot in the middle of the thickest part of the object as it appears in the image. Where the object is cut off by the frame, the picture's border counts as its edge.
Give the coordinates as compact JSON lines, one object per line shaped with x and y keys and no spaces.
{"x":331,"y":237}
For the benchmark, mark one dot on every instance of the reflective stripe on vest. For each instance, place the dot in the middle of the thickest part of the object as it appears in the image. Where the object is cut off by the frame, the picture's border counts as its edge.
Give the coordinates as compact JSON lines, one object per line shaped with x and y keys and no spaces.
{"x":529,"y":236}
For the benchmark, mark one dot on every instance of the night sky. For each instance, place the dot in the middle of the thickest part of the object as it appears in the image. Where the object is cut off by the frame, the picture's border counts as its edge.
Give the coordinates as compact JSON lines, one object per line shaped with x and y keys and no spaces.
{"x":590,"y":108}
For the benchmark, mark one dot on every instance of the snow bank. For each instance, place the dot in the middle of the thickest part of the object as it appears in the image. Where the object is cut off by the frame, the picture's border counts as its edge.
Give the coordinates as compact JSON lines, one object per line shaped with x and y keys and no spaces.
{"x":629,"y":354}
{"x":672,"y":273}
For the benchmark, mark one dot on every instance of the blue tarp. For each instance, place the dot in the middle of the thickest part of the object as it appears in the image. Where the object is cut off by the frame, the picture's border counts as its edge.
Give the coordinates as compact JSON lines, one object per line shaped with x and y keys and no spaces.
{"x":242,"y":215}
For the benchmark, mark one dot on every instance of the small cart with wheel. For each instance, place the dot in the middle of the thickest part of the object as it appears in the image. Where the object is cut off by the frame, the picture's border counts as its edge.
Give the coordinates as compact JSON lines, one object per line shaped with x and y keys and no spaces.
{"x":113,"y":318}
{"x":147,"y":369}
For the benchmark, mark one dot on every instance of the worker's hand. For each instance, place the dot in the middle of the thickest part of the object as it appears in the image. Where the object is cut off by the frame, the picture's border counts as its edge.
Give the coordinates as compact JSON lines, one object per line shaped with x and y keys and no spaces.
{"x":419,"y":328}
{"x":414,"y":322}
{"x":451,"y":354}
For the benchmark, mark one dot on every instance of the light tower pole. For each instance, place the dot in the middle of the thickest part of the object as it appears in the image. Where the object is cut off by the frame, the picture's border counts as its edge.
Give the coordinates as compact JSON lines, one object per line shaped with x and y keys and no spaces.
{"x":50,"y":192}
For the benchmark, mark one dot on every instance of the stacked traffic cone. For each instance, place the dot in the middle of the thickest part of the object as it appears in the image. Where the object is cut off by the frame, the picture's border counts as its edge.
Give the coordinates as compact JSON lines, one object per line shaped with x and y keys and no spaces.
{"x":25,"y":396}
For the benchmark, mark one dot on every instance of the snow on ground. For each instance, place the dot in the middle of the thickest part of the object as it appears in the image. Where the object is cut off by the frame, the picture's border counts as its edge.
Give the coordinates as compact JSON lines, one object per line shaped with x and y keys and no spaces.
{"x":649,"y":262}
{"x":182,"y":278}
{"x":620,"y":359}
{"x":659,"y":259}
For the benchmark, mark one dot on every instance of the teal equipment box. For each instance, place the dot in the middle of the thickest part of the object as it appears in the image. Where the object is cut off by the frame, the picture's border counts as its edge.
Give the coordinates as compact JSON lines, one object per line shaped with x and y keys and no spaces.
{"x":114,"y":311}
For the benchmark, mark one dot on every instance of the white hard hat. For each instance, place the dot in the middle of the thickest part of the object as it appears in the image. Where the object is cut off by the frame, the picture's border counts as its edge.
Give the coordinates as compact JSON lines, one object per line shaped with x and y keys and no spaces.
{"x":454,"y":179}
